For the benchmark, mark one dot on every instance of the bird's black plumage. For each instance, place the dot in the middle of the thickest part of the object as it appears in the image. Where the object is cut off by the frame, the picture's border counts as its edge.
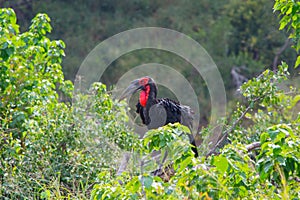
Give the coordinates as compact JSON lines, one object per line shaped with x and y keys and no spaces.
{"x":172,"y":109}
{"x":156,"y":112}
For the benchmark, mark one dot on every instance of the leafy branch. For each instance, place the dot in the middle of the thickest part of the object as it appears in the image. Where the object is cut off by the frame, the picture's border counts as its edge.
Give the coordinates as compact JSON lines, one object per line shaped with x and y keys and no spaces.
{"x":233,"y":126}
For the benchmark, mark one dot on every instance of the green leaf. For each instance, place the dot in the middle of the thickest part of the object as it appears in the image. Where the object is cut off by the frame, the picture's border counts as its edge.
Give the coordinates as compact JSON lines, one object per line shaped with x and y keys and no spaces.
{"x":273,"y":133}
{"x":183,"y":164}
{"x":281,"y":160}
{"x":265,"y":146}
{"x":295,"y":100}
{"x":264,"y":136}
{"x":221,"y":164}
{"x":268,"y":166}
{"x":147,"y":180}
{"x":289,"y":11}
{"x":251,"y":104}
{"x":162,"y":143}
{"x":282,"y":134}
{"x":297,"y":63}
{"x":248,"y":115}
{"x":276,"y":149}
{"x":46,"y":194}
{"x":283,"y":22}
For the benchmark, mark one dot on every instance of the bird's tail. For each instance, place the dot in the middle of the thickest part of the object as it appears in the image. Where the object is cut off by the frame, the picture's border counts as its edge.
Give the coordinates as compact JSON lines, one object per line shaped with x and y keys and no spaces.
{"x":193,"y":143}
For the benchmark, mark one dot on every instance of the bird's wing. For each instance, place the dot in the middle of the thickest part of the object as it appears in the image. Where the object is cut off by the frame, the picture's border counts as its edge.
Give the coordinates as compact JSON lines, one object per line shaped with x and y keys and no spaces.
{"x":187,"y":120}
{"x":158,"y":116}
{"x":172,"y":109}
{"x":187,"y":116}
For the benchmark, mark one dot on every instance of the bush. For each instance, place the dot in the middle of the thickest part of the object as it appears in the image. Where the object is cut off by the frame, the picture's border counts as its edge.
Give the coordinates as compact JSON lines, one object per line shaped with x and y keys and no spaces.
{"x":51,"y":149}
{"x":262,"y":160}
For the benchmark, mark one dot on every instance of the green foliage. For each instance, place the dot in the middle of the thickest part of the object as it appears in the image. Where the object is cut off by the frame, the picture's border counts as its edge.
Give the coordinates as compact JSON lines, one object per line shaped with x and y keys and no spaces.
{"x":104,"y":122}
{"x":234,"y":33}
{"x":169,"y":139}
{"x":290,"y":11}
{"x":279,"y":151}
{"x":61,"y":150}
{"x":239,"y":171}
{"x":51,"y":149}
{"x":262,"y":161}
{"x":232,"y":174}
{"x":164,"y":138}
{"x":252,"y":33}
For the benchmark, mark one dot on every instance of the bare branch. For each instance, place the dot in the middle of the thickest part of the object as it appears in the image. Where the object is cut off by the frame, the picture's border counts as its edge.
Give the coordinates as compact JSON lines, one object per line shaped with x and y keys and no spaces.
{"x":237,"y":77}
{"x":225,"y":135}
{"x":164,"y":173}
{"x":279,"y":52}
{"x":124,"y":163}
{"x":235,"y":123}
{"x":253,"y":146}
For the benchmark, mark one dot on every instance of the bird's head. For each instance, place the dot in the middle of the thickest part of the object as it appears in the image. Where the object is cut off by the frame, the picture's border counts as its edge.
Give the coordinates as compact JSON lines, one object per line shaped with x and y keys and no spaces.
{"x":146,"y":85}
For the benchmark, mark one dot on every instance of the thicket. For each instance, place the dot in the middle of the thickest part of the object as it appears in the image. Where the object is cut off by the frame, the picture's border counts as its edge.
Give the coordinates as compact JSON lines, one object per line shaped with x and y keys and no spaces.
{"x":52,"y":149}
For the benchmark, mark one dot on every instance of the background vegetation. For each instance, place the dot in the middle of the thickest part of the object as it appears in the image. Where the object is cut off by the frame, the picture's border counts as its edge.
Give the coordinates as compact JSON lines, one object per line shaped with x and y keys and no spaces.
{"x":242,"y":34}
{"x":54,"y":149}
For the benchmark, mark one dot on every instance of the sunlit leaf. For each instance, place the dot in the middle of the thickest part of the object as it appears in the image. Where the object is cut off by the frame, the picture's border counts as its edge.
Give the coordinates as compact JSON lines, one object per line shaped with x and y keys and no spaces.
{"x":221,"y":163}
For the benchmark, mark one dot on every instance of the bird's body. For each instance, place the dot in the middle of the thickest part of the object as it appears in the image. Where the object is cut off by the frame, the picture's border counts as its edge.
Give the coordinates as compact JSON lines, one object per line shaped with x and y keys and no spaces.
{"x":156,"y":112}
{"x":171,"y":110}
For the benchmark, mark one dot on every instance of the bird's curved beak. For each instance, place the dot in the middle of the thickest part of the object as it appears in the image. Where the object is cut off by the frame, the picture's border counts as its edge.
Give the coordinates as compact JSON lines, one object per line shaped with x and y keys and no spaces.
{"x":131,"y":89}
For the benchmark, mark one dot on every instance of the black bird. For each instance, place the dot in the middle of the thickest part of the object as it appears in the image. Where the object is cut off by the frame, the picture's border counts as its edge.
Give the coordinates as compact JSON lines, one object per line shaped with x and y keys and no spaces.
{"x":159,"y":112}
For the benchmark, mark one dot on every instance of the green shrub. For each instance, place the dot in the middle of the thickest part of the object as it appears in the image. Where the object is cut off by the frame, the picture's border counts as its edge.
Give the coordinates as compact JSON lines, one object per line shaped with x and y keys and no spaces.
{"x":262,"y":161}
{"x":51,"y":149}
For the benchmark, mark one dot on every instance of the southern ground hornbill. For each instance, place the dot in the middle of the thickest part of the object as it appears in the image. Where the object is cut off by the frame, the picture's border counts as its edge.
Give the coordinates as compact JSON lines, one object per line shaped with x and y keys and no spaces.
{"x":159,"y":112}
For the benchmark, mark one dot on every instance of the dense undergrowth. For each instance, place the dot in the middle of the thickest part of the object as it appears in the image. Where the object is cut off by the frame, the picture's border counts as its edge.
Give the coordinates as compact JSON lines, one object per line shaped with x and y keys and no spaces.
{"x":52,"y":149}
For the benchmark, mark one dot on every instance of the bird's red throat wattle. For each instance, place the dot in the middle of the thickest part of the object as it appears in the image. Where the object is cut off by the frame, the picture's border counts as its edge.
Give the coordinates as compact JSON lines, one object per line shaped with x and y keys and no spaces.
{"x":144,"y":95}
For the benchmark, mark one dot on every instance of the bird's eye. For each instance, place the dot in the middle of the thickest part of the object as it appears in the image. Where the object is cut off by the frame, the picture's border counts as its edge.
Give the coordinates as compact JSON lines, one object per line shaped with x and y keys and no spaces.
{"x":143,"y":81}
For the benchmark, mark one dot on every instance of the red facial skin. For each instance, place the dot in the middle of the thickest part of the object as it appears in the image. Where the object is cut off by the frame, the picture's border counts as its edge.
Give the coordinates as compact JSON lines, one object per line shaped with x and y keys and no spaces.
{"x":145,"y":92}
{"x":144,"y":95}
